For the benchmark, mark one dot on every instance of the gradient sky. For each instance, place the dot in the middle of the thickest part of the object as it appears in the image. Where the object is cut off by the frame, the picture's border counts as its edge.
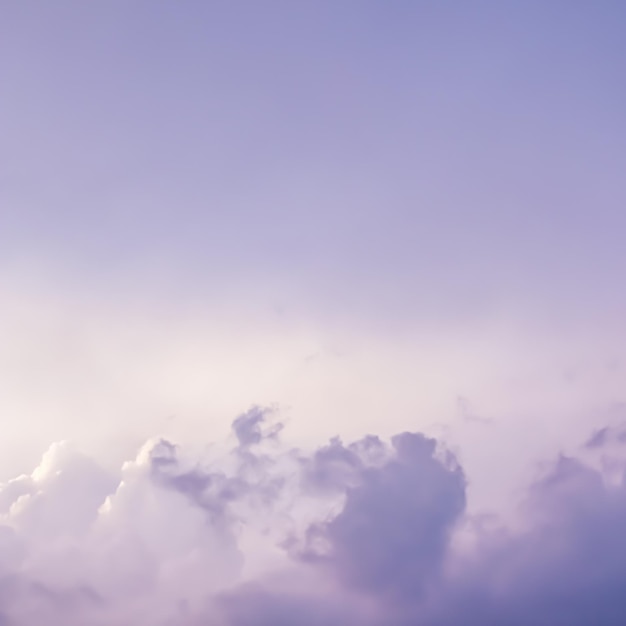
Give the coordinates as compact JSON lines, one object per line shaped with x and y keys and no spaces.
{"x":417,"y":159}
{"x":370,"y":216}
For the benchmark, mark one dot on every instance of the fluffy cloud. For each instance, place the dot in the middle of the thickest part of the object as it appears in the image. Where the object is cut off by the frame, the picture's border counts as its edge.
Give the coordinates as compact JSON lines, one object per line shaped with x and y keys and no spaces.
{"x":364,"y":533}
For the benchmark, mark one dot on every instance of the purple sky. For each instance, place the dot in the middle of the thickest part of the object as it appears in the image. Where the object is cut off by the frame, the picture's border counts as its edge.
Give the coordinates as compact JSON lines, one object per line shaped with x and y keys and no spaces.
{"x":438,"y":158}
{"x":371,"y":217}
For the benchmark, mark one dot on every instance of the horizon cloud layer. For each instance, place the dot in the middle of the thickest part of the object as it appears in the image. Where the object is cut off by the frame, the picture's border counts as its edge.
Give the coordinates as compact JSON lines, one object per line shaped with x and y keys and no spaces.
{"x":257,"y":533}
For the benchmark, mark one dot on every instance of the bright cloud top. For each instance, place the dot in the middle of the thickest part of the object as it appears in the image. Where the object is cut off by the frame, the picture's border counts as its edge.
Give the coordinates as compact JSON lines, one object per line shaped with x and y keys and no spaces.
{"x":258,"y":533}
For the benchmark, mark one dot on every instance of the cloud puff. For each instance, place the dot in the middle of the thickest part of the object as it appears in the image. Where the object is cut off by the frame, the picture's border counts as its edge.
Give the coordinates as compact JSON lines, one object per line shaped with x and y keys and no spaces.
{"x":393,"y":531}
{"x":363,"y":533}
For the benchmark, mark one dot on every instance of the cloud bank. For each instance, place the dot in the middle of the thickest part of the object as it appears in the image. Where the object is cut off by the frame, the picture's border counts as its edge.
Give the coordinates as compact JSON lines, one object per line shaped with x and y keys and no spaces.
{"x":257,"y":533}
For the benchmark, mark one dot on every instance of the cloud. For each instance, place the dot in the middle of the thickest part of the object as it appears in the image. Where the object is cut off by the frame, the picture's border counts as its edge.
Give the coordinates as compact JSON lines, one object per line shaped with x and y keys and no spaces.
{"x":391,"y":546}
{"x":367,"y":533}
{"x":562,"y":567}
{"x":393,"y":531}
{"x":251,"y":427}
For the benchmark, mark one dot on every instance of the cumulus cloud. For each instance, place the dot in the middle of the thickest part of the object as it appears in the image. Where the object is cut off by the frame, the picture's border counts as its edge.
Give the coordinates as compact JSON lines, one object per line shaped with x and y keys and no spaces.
{"x":363,"y":533}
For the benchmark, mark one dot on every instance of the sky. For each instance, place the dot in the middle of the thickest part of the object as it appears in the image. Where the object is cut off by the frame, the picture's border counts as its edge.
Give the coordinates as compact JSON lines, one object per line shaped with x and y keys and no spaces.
{"x":312,"y":309}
